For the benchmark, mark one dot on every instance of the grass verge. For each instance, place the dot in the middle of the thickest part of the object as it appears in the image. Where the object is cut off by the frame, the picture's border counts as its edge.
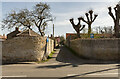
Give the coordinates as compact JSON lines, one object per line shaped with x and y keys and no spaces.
{"x":51,"y":54}
{"x":49,"y":57}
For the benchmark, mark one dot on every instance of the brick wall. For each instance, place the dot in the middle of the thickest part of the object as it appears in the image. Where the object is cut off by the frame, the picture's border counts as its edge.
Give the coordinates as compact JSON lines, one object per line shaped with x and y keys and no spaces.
{"x":0,"y":58}
{"x":50,"y":47}
{"x":31,"y":48}
{"x":103,"y":49}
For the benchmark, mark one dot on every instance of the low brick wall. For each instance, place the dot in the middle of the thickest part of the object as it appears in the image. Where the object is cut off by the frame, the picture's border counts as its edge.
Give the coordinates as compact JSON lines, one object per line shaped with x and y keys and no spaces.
{"x":50,"y":46}
{"x":103,"y":49}
{"x":0,"y":52}
{"x":30,"y":48}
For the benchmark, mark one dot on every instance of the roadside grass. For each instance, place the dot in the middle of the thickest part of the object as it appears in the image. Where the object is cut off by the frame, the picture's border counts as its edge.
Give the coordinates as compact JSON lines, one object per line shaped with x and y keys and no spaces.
{"x":42,"y":61}
{"x":51,"y":54}
{"x":49,"y":57}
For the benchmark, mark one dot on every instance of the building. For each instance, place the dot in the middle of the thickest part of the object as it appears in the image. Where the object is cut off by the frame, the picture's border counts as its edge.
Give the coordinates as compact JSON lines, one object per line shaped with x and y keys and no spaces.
{"x":74,"y":35}
{"x":27,"y":32}
{"x":3,"y":38}
{"x":25,"y":46}
{"x":13,"y":34}
{"x":17,"y":33}
{"x":57,"y":39}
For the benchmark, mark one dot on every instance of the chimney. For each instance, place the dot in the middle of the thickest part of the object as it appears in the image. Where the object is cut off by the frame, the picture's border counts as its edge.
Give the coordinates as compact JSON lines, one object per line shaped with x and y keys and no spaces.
{"x":16,"y":29}
{"x":4,"y":36}
{"x":51,"y":35}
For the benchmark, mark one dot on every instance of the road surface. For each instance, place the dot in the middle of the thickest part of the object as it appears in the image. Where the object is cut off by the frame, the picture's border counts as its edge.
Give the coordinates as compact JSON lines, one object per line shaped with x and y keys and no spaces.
{"x":63,"y":64}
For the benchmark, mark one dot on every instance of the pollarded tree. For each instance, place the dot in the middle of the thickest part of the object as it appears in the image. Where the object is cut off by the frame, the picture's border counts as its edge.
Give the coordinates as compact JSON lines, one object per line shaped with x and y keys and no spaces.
{"x":38,"y":17}
{"x":115,"y":19}
{"x":77,"y":27}
{"x":90,"y":20}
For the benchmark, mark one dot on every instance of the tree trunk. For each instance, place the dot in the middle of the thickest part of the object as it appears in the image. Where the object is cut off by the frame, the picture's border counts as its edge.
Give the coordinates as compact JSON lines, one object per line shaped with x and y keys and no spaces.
{"x":78,"y":34}
{"x":40,"y":32}
{"x":29,"y":27}
{"x":116,"y":27}
{"x":117,"y":22}
{"x":89,"y":29}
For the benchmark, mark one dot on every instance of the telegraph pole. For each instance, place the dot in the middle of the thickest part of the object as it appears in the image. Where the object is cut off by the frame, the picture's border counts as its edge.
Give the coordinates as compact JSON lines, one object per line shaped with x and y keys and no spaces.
{"x":54,"y":37}
{"x":53,"y":30}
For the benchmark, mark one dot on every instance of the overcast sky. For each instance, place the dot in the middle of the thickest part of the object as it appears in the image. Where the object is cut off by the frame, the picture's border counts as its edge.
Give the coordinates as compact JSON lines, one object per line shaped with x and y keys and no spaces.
{"x":63,"y":11}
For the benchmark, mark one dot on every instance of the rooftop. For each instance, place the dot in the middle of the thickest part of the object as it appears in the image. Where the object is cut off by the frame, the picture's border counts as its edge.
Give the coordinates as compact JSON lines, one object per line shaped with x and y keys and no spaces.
{"x":28,"y":32}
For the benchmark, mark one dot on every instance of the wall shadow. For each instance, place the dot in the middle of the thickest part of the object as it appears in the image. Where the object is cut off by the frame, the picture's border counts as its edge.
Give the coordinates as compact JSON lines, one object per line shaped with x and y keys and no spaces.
{"x":69,"y":77}
{"x":20,"y":62}
{"x":69,"y":59}
{"x":57,"y":66}
{"x":66,"y":56}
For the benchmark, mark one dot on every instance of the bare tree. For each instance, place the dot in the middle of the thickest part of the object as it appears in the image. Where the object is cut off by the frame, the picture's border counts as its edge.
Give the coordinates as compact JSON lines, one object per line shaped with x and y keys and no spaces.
{"x":105,"y":30}
{"x":17,"y":19}
{"x":77,"y":27}
{"x":97,"y":30}
{"x":110,"y":30}
{"x":84,"y":30}
{"x":115,"y":19}
{"x":90,"y":20}
{"x":38,"y":17}
{"x":42,"y":15}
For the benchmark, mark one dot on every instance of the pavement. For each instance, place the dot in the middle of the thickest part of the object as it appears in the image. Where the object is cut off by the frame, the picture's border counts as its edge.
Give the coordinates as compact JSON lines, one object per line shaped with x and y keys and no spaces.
{"x":63,"y":64}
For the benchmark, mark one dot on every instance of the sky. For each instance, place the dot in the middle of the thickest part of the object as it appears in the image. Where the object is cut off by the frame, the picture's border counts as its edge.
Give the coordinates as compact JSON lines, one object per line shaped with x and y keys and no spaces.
{"x":63,"y":11}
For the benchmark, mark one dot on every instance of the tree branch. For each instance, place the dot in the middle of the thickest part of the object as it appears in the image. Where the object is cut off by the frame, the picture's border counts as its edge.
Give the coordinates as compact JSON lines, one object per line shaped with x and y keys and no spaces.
{"x":87,"y":17}
{"x":72,"y":22}
{"x":111,"y":14}
{"x":91,"y":12}
{"x":82,"y":27}
{"x":95,"y":16}
{"x":83,"y":20}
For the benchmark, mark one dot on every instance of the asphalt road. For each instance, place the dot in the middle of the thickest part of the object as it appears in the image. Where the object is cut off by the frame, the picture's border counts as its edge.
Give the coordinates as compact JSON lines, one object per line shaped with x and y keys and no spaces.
{"x":63,"y":64}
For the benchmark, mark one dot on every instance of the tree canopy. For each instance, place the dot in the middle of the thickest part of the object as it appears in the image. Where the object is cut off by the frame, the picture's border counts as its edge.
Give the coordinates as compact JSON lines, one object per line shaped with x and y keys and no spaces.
{"x":90,"y":19}
{"x":38,"y":17}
